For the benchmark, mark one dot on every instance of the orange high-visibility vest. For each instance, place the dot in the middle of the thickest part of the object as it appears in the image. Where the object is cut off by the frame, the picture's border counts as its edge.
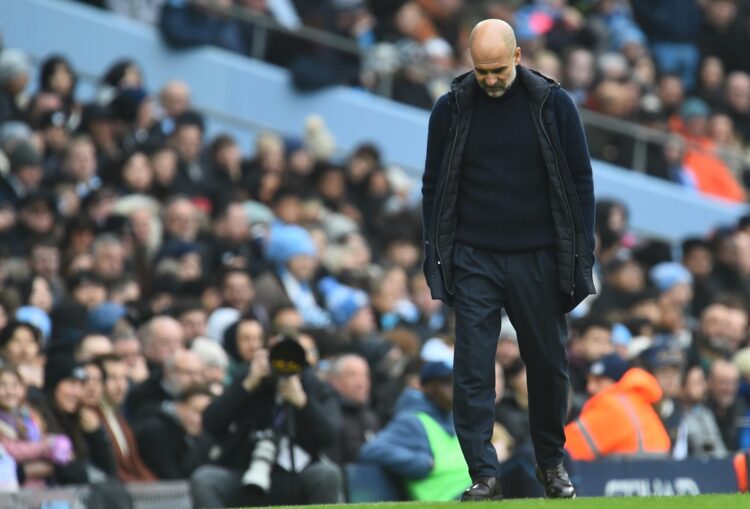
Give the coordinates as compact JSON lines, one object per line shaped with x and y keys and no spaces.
{"x":740,"y":468}
{"x":620,"y":420}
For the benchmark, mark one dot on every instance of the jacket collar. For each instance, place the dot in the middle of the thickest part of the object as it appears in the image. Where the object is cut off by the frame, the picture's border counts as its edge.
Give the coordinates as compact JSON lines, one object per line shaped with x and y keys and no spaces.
{"x":536,"y":84}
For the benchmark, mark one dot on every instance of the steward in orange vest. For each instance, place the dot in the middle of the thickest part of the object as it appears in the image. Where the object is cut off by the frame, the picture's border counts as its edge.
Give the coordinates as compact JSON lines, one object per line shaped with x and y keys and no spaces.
{"x":619,"y":420}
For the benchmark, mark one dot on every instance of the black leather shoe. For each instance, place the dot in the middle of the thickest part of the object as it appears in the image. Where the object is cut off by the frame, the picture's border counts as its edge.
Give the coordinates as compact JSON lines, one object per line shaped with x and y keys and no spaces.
{"x":556,"y":482}
{"x":484,"y":488}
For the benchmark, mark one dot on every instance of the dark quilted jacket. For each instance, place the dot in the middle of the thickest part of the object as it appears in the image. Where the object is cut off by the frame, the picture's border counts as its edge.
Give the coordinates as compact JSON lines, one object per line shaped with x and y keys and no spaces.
{"x":566,"y":158}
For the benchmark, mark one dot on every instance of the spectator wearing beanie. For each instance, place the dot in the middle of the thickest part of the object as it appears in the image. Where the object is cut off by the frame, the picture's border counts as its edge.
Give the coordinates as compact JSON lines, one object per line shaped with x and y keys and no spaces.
{"x":25,"y":173}
{"x":420,"y":445}
{"x":63,"y":413}
{"x":294,"y":258}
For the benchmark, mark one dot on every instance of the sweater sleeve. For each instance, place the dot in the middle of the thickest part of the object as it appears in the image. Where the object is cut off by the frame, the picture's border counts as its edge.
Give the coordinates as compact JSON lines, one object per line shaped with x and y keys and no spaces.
{"x":319,"y":422}
{"x":577,"y":156}
{"x":157,"y":452}
{"x":436,"y":138}
{"x":25,"y":450}
{"x":100,"y":451}
{"x":401,"y":447}
{"x":226,"y":408}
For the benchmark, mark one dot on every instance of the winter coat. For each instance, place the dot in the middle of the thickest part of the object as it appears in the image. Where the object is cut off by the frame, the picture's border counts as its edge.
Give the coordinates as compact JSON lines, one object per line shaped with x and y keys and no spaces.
{"x":566,"y":157}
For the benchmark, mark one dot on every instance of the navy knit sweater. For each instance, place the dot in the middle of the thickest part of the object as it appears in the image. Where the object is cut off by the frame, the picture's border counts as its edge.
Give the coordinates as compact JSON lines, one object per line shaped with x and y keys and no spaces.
{"x":503,"y":201}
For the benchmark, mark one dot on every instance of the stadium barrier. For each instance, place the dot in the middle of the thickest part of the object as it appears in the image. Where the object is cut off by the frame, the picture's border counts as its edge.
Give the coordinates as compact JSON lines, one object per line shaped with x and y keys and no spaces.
{"x":172,"y":495}
{"x":607,"y":478}
{"x":370,"y":483}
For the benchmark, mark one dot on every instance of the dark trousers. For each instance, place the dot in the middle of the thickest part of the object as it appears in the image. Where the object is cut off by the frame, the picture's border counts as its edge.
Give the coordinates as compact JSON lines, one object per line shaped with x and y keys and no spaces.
{"x":526,"y":285}
{"x":321,"y":482}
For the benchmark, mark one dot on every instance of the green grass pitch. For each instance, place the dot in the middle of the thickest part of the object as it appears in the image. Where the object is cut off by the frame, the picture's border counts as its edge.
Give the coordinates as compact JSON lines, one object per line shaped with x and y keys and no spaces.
{"x":694,"y":502}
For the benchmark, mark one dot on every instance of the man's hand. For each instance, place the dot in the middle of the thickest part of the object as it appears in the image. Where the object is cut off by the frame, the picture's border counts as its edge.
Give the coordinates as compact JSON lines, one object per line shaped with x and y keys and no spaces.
{"x":260,"y":368}
{"x":89,"y":420}
{"x":139,"y":371}
{"x":290,"y":389}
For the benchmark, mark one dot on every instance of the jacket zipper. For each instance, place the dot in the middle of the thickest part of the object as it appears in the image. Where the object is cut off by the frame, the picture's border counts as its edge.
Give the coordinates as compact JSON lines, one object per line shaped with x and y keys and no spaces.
{"x":565,"y":195}
{"x":442,"y":195}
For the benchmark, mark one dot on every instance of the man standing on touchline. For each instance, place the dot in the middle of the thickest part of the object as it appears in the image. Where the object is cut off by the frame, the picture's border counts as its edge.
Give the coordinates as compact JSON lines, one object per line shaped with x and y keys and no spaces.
{"x":508,"y":212}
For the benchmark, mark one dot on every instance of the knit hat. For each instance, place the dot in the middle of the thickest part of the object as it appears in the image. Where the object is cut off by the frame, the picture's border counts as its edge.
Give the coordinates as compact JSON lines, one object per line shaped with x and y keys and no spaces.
{"x":694,"y":107}
{"x":125,"y":106}
{"x":348,"y":5}
{"x":69,"y":322}
{"x":104,"y":317}
{"x":662,"y":355}
{"x":177,"y":249}
{"x":667,"y":275}
{"x":287,"y":241}
{"x":437,"y":350}
{"x":13,"y":62}
{"x":61,"y":367}
{"x":342,"y":301}
{"x":14,"y":130}
{"x":610,"y":366}
{"x":36,"y":317}
{"x":24,"y":154}
{"x":436,"y":370}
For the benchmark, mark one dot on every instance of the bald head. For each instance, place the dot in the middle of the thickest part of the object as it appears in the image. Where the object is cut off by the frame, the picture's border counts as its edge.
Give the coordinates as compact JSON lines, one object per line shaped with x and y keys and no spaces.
{"x":493,"y":49}
{"x":490,"y":36}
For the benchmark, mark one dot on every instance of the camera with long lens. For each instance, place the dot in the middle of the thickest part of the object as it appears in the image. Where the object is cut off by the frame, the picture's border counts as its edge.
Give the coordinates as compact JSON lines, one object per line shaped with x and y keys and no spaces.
{"x":258,"y":475}
{"x":287,"y":358}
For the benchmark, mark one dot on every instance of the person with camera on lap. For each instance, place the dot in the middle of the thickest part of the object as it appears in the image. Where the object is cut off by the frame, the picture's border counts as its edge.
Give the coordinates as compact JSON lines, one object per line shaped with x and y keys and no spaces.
{"x":271,"y":425}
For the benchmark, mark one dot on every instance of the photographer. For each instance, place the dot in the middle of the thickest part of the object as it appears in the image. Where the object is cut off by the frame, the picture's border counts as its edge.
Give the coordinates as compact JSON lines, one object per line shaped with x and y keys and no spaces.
{"x":254,"y":422}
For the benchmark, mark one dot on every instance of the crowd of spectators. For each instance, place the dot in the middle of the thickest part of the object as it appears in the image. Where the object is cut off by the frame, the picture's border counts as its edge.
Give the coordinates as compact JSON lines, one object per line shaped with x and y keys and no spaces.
{"x":146,"y":271}
{"x":673,"y":65}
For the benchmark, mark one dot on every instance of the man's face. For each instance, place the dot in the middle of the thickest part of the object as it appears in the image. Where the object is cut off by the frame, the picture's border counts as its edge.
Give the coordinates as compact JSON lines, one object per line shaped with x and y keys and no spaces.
{"x":90,"y":294}
{"x":440,"y":391}
{"x":37,"y":217}
{"x":168,"y":338}
{"x":116,"y":383}
{"x":194,"y":323}
{"x":186,"y":371}
{"x":182,"y":220}
{"x":670,"y":380}
{"x":353,"y":380}
{"x":596,"y":343}
{"x":723,"y":383}
{"x":699,"y":261}
{"x":129,"y":349}
{"x":45,"y":260}
{"x":109,"y":260}
{"x":249,"y":339}
{"x":191,"y":413}
{"x":238,"y":290}
{"x":188,"y":142}
{"x":496,"y":75}
{"x":596,"y":384}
